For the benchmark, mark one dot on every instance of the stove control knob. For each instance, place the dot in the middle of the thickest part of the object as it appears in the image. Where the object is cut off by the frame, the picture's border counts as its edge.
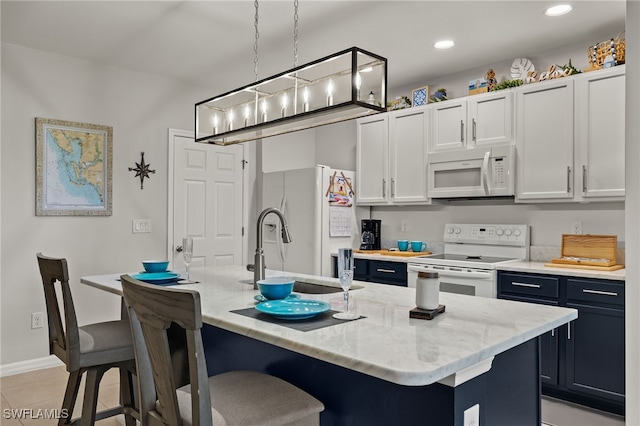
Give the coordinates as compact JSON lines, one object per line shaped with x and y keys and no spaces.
{"x":457,"y":230}
{"x":507,"y":232}
{"x":500,"y":231}
{"x":516,"y":232}
{"x":450,"y":230}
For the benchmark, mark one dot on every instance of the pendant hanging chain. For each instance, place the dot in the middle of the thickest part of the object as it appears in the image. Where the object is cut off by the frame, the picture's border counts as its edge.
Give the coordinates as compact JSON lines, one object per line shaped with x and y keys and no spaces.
{"x":255,"y":44}
{"x":295,"y":33}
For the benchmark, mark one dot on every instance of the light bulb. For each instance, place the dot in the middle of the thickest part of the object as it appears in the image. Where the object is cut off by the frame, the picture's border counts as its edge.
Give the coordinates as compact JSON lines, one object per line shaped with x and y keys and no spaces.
{"x":230,"y":121}
{"x":264,"y":110}
{"x":305,"y":105}
{"x":283,"y":112}
{"x":246,"y":116}
{"x":330,"y":93}
{"x":358,"y":84}
{"x":215,"y":124}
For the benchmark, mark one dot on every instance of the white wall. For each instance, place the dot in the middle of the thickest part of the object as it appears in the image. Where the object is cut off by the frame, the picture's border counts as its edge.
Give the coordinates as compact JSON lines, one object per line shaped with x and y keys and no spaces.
{"x":141,"y":108}
{"x":632,"y":295}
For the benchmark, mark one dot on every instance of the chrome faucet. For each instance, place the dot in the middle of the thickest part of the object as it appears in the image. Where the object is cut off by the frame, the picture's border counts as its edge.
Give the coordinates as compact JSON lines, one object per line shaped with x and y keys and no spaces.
{"x":258,"y":266}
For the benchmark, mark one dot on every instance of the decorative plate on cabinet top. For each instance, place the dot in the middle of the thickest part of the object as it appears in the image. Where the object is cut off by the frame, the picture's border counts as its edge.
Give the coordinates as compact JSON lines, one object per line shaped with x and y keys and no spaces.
{"x":521,"y":67}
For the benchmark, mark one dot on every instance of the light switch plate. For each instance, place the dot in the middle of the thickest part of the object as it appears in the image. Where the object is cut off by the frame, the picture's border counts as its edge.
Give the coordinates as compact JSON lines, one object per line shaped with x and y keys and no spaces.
{"x":140,"y":226}
{"x":472,"y":416}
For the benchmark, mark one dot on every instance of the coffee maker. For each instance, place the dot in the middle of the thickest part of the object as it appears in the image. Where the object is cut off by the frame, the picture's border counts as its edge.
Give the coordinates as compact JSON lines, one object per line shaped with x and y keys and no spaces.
{"x":370,"y":235}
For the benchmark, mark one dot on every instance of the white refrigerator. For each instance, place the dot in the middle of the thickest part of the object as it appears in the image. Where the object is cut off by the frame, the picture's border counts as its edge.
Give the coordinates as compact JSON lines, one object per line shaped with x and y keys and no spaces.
{"x":315,"y":202}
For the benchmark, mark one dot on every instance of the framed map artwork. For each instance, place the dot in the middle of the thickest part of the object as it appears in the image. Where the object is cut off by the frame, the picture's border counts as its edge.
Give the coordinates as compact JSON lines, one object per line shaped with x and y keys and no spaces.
{"x":73,"y":168}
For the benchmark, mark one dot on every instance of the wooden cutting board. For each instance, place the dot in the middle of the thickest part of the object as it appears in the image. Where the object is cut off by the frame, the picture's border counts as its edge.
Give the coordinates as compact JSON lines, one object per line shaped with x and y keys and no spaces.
{"x":394,"y":253}
{"x":590,"y":267}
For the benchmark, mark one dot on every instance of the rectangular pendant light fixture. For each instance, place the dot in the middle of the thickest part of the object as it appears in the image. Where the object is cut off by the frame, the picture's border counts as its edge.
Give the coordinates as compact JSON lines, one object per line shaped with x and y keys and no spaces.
{"x":343,"y":86}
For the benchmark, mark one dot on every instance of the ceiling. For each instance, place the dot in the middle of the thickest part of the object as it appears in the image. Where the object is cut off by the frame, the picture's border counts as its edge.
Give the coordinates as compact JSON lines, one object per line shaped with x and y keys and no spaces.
{"x":211,"y":43}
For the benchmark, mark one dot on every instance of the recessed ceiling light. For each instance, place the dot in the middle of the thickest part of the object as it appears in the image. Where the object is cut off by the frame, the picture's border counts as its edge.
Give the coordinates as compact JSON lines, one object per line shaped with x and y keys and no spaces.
{"x":559,"y":9}
{"x":444,"y":44}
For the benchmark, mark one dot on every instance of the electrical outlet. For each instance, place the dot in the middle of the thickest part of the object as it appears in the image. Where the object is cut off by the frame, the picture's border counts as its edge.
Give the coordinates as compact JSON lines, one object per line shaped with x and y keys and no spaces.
{"x":37,"y":318}
{"x":472,"y":416}
{"x":576,"y":227}
{"x":140,"y":226}
{"x":404,"y":226}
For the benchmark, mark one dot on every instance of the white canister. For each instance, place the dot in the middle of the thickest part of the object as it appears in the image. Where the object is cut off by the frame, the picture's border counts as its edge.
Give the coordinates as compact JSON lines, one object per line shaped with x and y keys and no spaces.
{"x":427,"y":290}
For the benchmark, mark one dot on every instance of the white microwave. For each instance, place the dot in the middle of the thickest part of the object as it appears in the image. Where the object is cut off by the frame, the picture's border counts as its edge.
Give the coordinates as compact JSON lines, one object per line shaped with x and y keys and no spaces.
{"x":477,"y":172}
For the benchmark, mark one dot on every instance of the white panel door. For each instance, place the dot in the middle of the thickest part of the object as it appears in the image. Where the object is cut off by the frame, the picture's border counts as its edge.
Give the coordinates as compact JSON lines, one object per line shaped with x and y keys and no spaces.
{"x":544,"y":141}
{"x":600,"y":138}
{"x":408,"y":145}
{"x":372,"y":150}
{"x":448,"y":125}
{"x":490,"y":119}
{"x":207,"y":202}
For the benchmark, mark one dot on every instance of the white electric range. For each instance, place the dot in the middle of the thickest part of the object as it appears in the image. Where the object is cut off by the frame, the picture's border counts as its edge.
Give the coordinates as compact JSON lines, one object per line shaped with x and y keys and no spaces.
{"x":471,"y":254}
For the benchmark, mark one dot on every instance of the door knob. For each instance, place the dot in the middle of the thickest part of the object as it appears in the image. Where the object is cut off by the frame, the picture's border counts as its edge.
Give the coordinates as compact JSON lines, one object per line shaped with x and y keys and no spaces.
{"x":179,"y":249}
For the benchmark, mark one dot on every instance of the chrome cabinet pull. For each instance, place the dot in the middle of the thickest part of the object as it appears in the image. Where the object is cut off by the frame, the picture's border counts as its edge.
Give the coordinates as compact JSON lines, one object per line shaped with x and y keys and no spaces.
{"x":525,"y":285}
{"x":389,"y":271}
{"x":569,"y":331}
{"x":461,"y":131}
{"x":569,"y":179}
{"x":384,"y":188}
{"x":603,"y":293}
{"x":553,"y":332}
{"x":393,"y":188}
{"x":584,"y":178}
{"x":473,"y":121}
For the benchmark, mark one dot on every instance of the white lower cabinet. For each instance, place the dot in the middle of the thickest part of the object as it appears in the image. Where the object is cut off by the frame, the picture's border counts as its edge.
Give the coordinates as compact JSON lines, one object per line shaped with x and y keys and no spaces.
{"x":570,"y":138}
{"x":391,"y":158}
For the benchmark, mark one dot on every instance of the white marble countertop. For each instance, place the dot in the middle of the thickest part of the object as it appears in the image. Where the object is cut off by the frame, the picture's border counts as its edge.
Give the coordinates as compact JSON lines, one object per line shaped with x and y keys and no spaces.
{"x":386,"y":344}
{"x":539,"y":268}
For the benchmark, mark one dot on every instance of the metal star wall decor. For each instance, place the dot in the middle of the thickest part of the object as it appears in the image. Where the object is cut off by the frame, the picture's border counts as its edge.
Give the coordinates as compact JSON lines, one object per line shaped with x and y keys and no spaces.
{"x":142,"y":170}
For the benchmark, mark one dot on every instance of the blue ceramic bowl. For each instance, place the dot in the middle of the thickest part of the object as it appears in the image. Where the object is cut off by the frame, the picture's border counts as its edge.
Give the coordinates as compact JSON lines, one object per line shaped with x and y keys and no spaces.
{"x":155,"y":265}
{"x":275,"y":287}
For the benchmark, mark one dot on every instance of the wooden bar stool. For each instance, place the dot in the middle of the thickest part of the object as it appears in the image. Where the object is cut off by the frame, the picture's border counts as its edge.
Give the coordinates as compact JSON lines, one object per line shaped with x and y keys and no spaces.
{"x":92,"y":349}
{"x":242,"y":398}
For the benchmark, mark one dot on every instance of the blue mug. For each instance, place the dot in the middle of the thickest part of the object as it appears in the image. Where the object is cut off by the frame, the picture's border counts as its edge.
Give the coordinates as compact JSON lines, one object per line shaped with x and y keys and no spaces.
{"x":403,"y":245}
{"x":418,"y":246}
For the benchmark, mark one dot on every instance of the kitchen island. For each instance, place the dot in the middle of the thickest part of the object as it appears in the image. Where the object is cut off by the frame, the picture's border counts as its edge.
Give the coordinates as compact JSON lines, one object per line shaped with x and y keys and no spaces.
{"x":384,"y":368}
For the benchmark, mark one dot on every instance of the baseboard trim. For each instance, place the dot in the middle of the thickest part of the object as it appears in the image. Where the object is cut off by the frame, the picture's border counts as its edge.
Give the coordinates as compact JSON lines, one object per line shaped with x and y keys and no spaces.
{"x":30,"y":365}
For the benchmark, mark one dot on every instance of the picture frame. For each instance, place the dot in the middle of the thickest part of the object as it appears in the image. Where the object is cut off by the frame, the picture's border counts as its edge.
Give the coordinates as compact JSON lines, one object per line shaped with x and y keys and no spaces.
{"x":73,"y":168}
{"x":420,"y":96}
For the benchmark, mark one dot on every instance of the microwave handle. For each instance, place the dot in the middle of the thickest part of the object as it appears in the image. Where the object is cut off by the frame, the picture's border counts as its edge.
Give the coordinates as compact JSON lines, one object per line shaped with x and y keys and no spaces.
{"x":485,"y":172}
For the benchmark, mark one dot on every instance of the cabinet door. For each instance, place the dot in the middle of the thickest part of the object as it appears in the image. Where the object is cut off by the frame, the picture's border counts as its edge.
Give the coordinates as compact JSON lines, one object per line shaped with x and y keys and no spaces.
{"x":448,"y":125}
{"x":490,"y":119}
{"x":600,"y":138}
{"x":372,"y":148}
{"x":595,"y":352}
{"x":407,"y":156}
{"x":544,"y":141}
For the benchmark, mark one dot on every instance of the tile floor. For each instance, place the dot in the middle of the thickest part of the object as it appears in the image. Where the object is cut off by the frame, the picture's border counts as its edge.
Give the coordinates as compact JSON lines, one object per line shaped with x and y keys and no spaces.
{"x":43,"y":390}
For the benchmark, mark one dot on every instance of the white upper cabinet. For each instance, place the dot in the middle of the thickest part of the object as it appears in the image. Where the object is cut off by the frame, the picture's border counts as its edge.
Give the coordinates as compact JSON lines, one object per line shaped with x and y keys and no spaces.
{"x":474,"y":121}
{"x":600,"y":135}
{"x":570,"y":138}
{"x":391,"y":158}
{"x":544,"y":141}
{"x":372,"y":163}
{"x":408,"y":136}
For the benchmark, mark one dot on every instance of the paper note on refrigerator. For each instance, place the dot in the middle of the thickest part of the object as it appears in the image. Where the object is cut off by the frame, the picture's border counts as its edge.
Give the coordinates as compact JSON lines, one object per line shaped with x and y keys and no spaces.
{"x":340,"y":220}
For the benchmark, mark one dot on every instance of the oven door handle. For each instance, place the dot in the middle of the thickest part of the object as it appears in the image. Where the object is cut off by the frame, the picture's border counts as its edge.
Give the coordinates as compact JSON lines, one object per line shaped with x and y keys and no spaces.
{"x":454,"y":274}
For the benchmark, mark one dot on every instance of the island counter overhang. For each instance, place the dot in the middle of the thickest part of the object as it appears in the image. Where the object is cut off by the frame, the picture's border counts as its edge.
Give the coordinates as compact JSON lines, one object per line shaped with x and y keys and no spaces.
{"x":387,"y":345}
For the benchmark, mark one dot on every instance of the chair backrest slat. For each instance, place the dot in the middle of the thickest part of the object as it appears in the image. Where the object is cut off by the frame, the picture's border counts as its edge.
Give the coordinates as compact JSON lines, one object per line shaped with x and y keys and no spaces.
{"x":153,"y":309}
{"x":64,"y":340}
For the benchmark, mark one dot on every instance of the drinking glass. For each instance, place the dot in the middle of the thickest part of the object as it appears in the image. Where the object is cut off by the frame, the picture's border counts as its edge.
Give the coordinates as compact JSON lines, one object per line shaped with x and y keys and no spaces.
{"x":187,"y":253}
{"x":345,"y":273}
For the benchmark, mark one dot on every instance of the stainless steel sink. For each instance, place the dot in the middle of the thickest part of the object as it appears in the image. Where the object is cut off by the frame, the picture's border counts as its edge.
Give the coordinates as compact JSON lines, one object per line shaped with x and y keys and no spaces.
{"x":313,"y":288}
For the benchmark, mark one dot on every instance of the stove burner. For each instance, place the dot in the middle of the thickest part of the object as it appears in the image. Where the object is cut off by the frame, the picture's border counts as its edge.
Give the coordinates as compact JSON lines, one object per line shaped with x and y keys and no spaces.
{"x":474,"y":257}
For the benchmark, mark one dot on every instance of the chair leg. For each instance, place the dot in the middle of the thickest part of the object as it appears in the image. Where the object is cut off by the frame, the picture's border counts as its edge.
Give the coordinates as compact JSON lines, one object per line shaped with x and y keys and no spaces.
{"x":70,"y":396}
{"x":127,"y":395}
{"x":90,"y":401}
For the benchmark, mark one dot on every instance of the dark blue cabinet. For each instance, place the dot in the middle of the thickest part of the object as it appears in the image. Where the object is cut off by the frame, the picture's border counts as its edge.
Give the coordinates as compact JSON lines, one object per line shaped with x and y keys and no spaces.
{"x":377,"y":271}
{"x":582,"y":362}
